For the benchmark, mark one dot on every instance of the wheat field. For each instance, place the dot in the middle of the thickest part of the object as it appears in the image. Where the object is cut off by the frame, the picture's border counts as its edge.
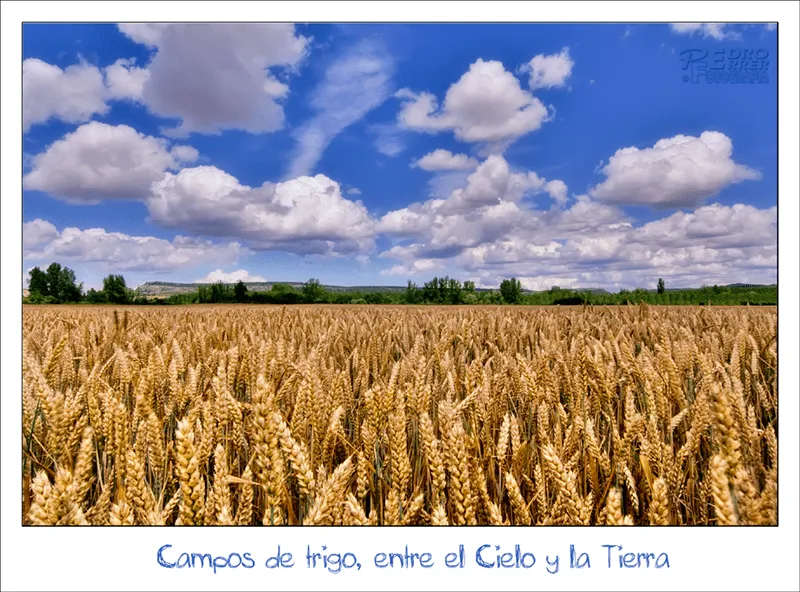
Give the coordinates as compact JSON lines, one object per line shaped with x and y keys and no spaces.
{"x":383,"y":415}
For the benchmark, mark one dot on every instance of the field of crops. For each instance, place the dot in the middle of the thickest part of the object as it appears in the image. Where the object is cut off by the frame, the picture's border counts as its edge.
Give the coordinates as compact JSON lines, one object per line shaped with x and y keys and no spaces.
{"x":386,"y":415}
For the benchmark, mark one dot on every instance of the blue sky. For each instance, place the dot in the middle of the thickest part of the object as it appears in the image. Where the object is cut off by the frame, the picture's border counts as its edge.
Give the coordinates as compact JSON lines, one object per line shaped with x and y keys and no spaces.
{"x":561,"y":154}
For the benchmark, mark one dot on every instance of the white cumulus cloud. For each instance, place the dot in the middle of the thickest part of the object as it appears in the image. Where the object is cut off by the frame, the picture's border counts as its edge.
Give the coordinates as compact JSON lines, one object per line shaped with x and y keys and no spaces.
{"x":557,"y":190}
{"x":444,"y":160}
{"x":303,"y":215}
{"x":216,"y":76}
{"x":487,"y":104}
{"x":125,"y":80}
{"x":682,"y":171}
{"x":184,"y":154}
{"x":492,"y":183}
{"x":123,"y":252}
{"x":148,"y":34}
{"x":76,"y":93}
{"x":487,"y":230}
{"x":414,"y":267}
{"x":72,"y":95}
{"x":100,"y":161}
{"x":714,"y":226}
{"x":485,"y":209}
{"x":36,"y":233}
{"x":711,"y":245}
{"x":549,"y":71}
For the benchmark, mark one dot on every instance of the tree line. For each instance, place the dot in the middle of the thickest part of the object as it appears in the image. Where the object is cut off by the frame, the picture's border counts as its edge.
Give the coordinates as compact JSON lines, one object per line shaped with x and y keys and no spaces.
{"x":57,"y":285}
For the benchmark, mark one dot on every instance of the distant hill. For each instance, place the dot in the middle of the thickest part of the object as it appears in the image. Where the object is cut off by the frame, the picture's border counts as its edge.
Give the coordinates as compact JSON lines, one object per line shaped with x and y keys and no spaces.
{"x":169,"y":288}
{"x":751,"y":286}
{"x":164,"y":289}
{"x":738,"y":286}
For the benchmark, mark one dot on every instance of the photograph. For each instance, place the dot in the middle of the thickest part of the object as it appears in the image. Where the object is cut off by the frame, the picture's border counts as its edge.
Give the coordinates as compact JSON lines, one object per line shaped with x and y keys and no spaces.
{"x":398,"y":274}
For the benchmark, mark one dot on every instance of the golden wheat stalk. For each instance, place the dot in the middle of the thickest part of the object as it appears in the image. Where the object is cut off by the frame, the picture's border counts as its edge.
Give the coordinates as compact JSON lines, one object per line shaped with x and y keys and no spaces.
{"x":382,"y":415}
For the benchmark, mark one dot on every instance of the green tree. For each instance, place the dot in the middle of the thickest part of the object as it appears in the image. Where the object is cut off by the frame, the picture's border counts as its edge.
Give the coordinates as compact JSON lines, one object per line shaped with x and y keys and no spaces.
{"x":38,"y":283}
{"x":217,"y":291}
{"x":61,"y":284}
{"x":115,"y":290}
{"x":453,"y":291}
{"x":660,"y":285}
{"x":444,"y":290}
{"x":240,"y":291}
{"x":203,"y":294}
{"x":431,"y":292}
{"x":281,"y":294}
{"x":511,"y":290}
{"x":313,"y":291}
{"x":490,"y":297}
{"x":221,"y":292}
{"x":96,"y":296}
{"x":412,"y":295}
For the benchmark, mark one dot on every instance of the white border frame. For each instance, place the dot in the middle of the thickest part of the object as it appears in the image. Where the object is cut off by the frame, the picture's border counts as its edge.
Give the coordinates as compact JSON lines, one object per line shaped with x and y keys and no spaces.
{"x":124,"y":559}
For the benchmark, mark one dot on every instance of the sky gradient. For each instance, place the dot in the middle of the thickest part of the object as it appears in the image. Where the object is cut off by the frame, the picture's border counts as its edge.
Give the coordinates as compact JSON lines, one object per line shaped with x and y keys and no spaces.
{"x":572,"y":155}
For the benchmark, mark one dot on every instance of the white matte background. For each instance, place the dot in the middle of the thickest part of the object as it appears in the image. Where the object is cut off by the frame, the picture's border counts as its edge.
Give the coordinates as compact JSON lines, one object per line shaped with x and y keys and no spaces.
{"x":119,"y":558}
